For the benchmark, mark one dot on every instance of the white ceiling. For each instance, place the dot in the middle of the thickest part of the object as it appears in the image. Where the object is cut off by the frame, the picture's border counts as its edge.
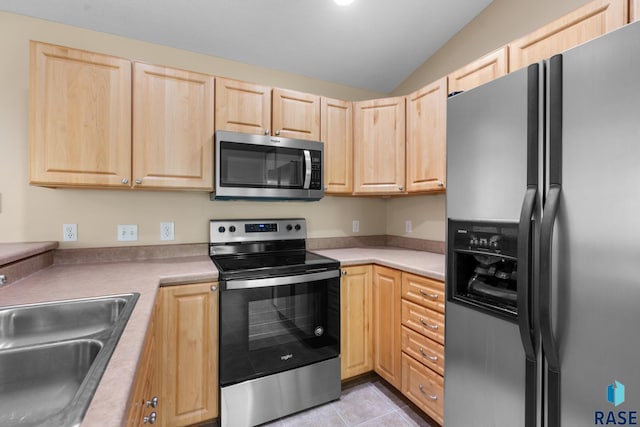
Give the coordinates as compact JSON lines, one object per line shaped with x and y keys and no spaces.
{"x":370,"y":44}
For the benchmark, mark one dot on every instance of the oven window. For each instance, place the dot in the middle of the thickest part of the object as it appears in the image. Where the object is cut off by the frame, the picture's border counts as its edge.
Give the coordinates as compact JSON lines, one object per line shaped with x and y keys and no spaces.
{"x":259,"y":166}
{"x":272,"y":329}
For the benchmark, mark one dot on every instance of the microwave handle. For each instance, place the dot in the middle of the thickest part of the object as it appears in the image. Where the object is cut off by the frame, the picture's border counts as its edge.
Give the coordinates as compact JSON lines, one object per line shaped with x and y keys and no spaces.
{"x":307,"y":169}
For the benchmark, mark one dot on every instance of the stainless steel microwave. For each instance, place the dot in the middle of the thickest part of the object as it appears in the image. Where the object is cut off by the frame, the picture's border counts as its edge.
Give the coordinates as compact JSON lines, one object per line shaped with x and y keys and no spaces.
{"x":267,"y":167}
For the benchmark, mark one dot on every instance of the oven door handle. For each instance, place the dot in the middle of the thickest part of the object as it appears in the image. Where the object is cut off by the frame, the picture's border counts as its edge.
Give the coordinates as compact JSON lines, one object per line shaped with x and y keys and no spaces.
{"x":280,"y":280}
{"x":307,"y":169}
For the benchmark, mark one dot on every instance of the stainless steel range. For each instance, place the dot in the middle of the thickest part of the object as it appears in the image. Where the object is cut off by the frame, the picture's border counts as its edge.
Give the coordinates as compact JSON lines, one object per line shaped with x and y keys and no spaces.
{"x":279,"y":320}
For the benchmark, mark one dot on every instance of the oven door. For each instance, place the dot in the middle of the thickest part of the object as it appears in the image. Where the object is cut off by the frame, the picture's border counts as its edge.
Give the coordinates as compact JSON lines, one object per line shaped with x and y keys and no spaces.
{"x":281,"y":323}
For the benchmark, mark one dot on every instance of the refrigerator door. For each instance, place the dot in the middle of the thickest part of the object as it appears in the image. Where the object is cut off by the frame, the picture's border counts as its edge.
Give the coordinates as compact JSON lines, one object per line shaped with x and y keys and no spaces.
{"x":487,"y":149}
{"x":592,"y":308}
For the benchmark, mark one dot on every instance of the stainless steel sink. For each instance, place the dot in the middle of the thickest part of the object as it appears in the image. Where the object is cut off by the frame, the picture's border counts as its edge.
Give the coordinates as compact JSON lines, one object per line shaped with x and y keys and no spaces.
{"x":60,"y":320}
{"x":53,"y":355}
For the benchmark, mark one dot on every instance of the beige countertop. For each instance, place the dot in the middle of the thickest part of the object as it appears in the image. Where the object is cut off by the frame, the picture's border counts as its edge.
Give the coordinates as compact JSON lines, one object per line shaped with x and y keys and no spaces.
{"x":60,"y":282}
{"x":418,"y":262}
{"x":10,"y":252}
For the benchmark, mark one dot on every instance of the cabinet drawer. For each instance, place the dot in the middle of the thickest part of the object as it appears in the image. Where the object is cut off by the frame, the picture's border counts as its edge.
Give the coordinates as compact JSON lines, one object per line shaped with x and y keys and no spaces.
{"x":424,"y":350}
{"x":421,"y":290}
{"x":427,"y":322}
{"x":423,"y":386}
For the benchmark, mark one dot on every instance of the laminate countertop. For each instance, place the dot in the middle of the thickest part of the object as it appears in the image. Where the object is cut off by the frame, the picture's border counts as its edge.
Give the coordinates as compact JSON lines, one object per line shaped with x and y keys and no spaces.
{"x":60,"y":282}
{"x":426,"y":264}
{"x":70,"y":281}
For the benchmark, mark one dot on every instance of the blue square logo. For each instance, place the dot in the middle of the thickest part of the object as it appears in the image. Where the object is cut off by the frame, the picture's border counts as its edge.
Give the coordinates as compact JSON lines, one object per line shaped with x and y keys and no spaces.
{"x":615,"y":393}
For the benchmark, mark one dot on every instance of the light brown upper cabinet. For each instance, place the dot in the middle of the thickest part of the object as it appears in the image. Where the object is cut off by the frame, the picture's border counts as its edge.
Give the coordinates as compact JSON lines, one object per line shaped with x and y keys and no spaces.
{"x":588,"y":22}
{"x":251,"y":108}
{"x":79,"y":117}
{"x":173,"y":128}
{"x":295,"y":114}
{"x":379,"y":146}
{"x":337,"y":135}
{"x":483,"y":70}
{"x":426,"y":138}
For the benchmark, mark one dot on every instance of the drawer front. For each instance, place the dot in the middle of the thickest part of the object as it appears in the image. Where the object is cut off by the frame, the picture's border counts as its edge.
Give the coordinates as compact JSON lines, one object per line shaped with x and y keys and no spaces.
{"x":427,"y":322}
{"x":423,"y":387}
{"x":424,"y":350}
{"x":421,"y":290}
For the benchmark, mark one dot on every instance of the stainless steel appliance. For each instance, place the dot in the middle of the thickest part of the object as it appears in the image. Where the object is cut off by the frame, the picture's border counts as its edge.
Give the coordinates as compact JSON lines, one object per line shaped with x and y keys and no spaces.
{"x":279,"y":320}
{"x":543,"y":204}
{"x":267,"y":167}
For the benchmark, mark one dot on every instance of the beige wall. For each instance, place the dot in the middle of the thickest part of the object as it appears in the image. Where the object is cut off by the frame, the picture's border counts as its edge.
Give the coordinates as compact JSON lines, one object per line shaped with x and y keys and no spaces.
{"x":34,"y":214}
{"x":426,"y":213}
{"x":500,"y":23}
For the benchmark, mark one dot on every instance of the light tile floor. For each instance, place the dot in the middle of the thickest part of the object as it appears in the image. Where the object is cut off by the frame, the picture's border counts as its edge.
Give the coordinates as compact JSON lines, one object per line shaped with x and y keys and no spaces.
{"x":365,"y":403}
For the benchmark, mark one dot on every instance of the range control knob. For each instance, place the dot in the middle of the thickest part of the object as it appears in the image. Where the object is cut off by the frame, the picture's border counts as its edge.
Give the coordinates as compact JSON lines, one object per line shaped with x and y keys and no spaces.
{"x":221,"y":229}
{"x":232,"y":229}
{"x":298,"y":227}
{"x":289,"y":227}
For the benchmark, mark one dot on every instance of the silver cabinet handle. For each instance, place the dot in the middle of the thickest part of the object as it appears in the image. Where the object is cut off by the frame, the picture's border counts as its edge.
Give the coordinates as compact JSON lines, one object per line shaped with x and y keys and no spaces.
{"x":153,"y":403}
{"x":277,"y":133}
{"x":344,"y":272}
{"x":430,"y":396}
{"x":440,"y":183}
{"x":428,"y":295}
{"x":151,"y":419}
{"x":266,"y":131}
{"x":214,"y":288}
{"x":401,"y":188}
{"x":138,"y":181}
{"x":428,"y":325}
{"x":125,"y":181}
{"x":428,"y":356}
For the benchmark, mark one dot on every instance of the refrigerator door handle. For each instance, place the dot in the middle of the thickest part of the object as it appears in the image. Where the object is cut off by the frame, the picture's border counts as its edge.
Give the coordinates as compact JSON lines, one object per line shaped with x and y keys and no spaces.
{"x":525,"y":321}
{"x":549,"y":215}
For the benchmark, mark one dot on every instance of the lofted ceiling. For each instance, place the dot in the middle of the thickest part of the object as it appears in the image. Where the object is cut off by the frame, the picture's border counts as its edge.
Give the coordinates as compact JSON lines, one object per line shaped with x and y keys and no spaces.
{"x":370,"y":44}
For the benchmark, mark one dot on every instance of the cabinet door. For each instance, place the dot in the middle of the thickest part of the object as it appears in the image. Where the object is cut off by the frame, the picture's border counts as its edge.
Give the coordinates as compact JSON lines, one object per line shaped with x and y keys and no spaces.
{"x":634,"y":12}
{"x":423,"y":387}
{"x":295,"y":114}
{"x":243,"y":107}
{"x":356,"y":313}
{"x":172,"y":128}
{"x":189,"y":358}
{"x":337,"y":135}
{"x":379,"y":146}
{"x":387,"y":318}
{"x":79,"y":117}
{"x":426,"y":138}
{"x":586,"y":23}
{"x":483,"y":70}
{"x":146,"y":386}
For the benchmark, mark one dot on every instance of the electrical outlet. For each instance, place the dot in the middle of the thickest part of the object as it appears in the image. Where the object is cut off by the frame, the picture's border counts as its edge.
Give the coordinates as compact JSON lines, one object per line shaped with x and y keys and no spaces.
{"x":128,"y":233}
{"x":69,"y":232}
{"x":167,"y":231}
{"x":408,"y":227}
{"x":355,"y":226}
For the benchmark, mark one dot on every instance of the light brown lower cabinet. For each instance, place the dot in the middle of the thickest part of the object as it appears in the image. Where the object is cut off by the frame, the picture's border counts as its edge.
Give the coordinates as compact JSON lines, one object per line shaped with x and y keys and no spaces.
{"x":188,"y":354}
{"x":386,"y":321}
{"x":144,"y":402}
{"x":424,"y":387}
{"x":356,"y":315}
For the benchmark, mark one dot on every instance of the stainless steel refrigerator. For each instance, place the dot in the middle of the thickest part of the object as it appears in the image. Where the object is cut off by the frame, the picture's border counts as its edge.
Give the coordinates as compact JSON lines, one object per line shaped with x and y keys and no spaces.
{"x":543,"y":243}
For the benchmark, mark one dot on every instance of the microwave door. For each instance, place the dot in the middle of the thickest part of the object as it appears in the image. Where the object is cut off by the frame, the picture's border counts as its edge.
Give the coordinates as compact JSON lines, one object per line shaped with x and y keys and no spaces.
{"x":307,"y":169}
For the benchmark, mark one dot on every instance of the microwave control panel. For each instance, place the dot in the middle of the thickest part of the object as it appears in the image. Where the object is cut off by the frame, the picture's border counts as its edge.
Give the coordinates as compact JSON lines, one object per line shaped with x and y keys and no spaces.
{"x":316,"y":170}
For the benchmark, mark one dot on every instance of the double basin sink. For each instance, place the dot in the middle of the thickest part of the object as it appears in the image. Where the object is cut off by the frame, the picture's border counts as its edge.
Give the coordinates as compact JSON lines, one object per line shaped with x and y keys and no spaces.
{"x":52,"y":356}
